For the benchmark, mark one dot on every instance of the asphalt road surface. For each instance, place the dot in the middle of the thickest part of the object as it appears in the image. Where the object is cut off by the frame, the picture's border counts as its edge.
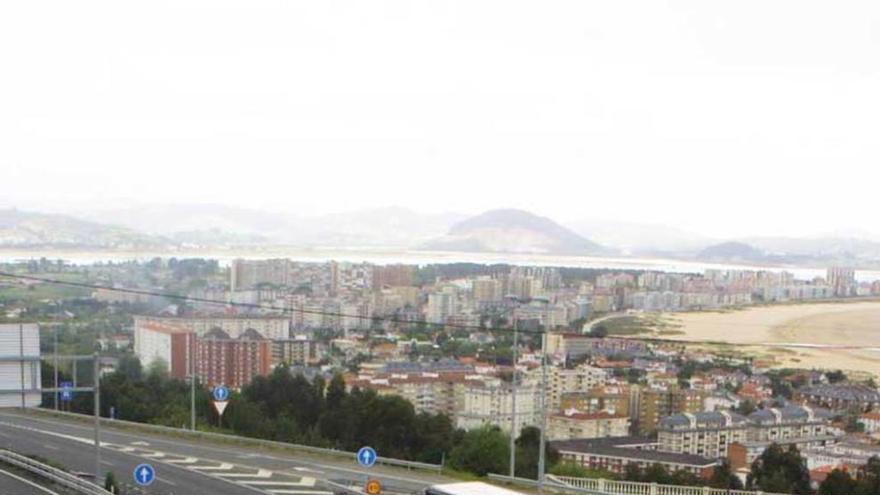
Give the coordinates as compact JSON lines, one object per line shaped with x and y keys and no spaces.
{"x":12,"y":483}
{"x":189,"y":466}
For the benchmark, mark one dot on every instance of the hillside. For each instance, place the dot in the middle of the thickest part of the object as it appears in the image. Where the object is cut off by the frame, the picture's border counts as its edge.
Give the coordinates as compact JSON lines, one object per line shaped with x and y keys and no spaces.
{"x":513,"y":231}
{"x":731,"y":251}
{"x":28,"y":229}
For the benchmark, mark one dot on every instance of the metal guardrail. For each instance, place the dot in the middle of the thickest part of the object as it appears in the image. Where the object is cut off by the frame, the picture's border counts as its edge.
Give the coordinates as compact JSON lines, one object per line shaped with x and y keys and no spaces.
{"x":437,"y":468}
{"x":52,"y":474}
{"x":599,"y":486}
{"x":614,"y":487}
{"x":549,"y":485}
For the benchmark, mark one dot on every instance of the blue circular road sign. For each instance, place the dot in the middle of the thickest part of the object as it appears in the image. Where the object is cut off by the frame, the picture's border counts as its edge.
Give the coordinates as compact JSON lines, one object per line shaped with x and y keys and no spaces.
{"x":367,"y":456}
{"x":221,"y":393}
{"x":144,"y":475}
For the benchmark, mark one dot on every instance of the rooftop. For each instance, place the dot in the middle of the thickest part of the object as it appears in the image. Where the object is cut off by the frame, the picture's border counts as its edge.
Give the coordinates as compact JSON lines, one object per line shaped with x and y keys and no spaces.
{"x":608,"y":449}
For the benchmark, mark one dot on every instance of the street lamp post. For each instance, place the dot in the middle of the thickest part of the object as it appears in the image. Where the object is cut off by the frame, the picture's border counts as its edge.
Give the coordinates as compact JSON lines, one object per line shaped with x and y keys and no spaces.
{"x":513,"y":404}
{"x":97,"y":386}
{"x":541,"y":447}
{"x":192,"y":386}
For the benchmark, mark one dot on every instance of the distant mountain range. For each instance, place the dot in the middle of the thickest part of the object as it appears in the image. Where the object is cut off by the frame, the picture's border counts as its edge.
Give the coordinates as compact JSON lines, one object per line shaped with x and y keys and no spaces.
{"x":496,"y":231}
{"x":513,"y":231}
{"x":27,"y":229}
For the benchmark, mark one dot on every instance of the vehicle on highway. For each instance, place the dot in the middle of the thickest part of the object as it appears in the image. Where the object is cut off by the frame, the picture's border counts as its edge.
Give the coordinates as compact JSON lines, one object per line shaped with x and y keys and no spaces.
{"x":469,"y":488}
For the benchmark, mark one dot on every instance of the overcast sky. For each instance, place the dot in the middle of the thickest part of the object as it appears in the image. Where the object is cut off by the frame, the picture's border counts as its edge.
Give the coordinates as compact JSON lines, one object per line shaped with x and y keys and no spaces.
{"x":726,"y":118}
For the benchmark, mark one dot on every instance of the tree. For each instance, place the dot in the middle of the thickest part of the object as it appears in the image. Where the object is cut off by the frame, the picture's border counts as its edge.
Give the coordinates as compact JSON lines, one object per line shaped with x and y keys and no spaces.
{"x":746,"y":407}
{"x":869,"y":478}
{"x":632,"y":472}
{"x":599,"y":331}
{"x":838,"y":482}
{"x":528,"y":452}
{"x":110,"y":483}
{"x":779,"y":470}
{"x":835,"y":376}
{"x":723,"y":477}
{"x":481,"y":451}
{"x":578,"y":471}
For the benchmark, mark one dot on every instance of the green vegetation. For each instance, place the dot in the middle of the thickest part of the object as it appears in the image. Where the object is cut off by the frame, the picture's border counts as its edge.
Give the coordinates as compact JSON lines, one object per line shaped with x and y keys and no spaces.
{"x":780,"y":470}
{"x":865,"y":482}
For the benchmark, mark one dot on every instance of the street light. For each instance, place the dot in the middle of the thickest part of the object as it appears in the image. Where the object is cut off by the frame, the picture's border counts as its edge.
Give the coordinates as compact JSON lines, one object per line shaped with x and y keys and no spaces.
{"x":513,"y":403}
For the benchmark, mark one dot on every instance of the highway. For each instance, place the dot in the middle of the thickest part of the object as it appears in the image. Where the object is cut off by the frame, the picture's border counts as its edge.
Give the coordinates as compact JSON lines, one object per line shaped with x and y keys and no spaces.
{"x":15,"y":484}
{"x":188,"y":466}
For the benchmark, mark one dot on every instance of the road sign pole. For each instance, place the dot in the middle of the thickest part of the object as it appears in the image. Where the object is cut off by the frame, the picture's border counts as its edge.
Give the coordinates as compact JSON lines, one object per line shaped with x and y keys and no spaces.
{"x":97,"y":421}
{"x":55,"y":365}
{"x":192,"y":389}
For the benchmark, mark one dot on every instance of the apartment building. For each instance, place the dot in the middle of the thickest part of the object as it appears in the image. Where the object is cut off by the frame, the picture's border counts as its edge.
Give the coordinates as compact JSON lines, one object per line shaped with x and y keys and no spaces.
{"x":742,"y":439}
{"x":270,"y":327}
{"x":20,"y":382}
{"x":657,"y":403}
{"x":614,"y":399}
{"x":489,"y":402}
{"x":839,"y":397}
{"x":300,"y":351}
{"x":614,"y":454}
{"x":245,"y":274}
{"x":571,"y":424}
{"x":707,"y":434}
{"x":234,"y":362}
{"x":580,"y":379}
{"x":216,"y":356}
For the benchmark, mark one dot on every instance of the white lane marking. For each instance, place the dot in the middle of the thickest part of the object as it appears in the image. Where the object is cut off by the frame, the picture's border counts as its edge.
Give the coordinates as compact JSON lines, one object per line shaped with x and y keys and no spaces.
{"x":27,"y":482}
{"x":153,"y":455}
{"x":299,"y":492}
{"x":107,"y":463}
{"x":127,"y":449}
{"x":187,"y":460}
{"x":262,"y":473}
{"x":51,"y":447}
{"x":307,"y":470}
{"x":57,"y":421}
{"x":141,"y":443}
{"x":169,"y":482}
{"x":225,"y":466}
{"x":304,"y":481}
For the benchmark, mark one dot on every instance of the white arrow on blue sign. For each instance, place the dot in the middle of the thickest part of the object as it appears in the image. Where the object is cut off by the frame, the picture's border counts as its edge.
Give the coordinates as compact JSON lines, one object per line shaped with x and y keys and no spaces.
{"x":144,"y":475}
{"x":221,"y":393}
{"x":66,"y":391}
{"x":367,"y":456}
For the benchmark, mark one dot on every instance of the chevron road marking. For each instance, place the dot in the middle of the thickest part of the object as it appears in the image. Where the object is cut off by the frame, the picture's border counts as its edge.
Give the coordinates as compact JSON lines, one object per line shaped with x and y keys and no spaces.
{"x":225,"y":466}
{"x":262,"y":473}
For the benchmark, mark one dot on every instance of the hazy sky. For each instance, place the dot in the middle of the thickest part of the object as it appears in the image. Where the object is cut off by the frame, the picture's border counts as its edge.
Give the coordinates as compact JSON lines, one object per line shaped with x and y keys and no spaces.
{"x":727,"y":118}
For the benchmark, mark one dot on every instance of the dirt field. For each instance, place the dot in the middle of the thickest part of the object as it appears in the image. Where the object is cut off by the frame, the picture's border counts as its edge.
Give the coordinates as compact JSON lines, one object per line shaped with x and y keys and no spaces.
{"x":832,"y":335}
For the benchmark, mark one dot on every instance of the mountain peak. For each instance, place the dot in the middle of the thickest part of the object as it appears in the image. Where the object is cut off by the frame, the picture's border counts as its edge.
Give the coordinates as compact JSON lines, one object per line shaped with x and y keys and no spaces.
{"x":513,"y":231}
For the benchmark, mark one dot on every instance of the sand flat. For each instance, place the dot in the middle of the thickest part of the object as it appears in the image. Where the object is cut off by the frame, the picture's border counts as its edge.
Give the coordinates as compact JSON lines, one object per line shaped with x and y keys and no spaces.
{"x":849,"y":329}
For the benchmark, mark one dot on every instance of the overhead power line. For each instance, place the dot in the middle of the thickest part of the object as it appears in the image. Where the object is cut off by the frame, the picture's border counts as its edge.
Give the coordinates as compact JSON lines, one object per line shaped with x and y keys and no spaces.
{"x":391,"y":319}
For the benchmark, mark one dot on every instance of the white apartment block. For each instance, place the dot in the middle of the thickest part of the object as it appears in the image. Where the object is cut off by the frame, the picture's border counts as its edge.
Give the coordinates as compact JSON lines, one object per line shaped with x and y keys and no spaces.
{"x":441,"y":305}
{"x":489,"y":403}
{"x":581,"y":379}
{"x":20,"y":383}
{"x":572,"y":424}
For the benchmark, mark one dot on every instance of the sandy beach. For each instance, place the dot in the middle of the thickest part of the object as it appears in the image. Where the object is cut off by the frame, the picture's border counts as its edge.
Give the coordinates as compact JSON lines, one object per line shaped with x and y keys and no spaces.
{"x":823,"y":335}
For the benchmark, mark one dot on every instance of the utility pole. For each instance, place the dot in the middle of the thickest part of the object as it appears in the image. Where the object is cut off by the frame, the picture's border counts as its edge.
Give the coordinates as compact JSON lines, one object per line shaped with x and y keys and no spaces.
{"x":21,"y":361}
{"x":55,"y":364}
{"x":541,"y":448}
{"x":192,"y":380}
{"x":97,"y":420}
{"x":513,"y":403}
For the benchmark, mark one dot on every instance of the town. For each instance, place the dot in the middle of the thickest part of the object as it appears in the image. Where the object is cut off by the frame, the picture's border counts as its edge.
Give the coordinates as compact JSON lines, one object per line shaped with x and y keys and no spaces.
{"x":490,"y":349}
